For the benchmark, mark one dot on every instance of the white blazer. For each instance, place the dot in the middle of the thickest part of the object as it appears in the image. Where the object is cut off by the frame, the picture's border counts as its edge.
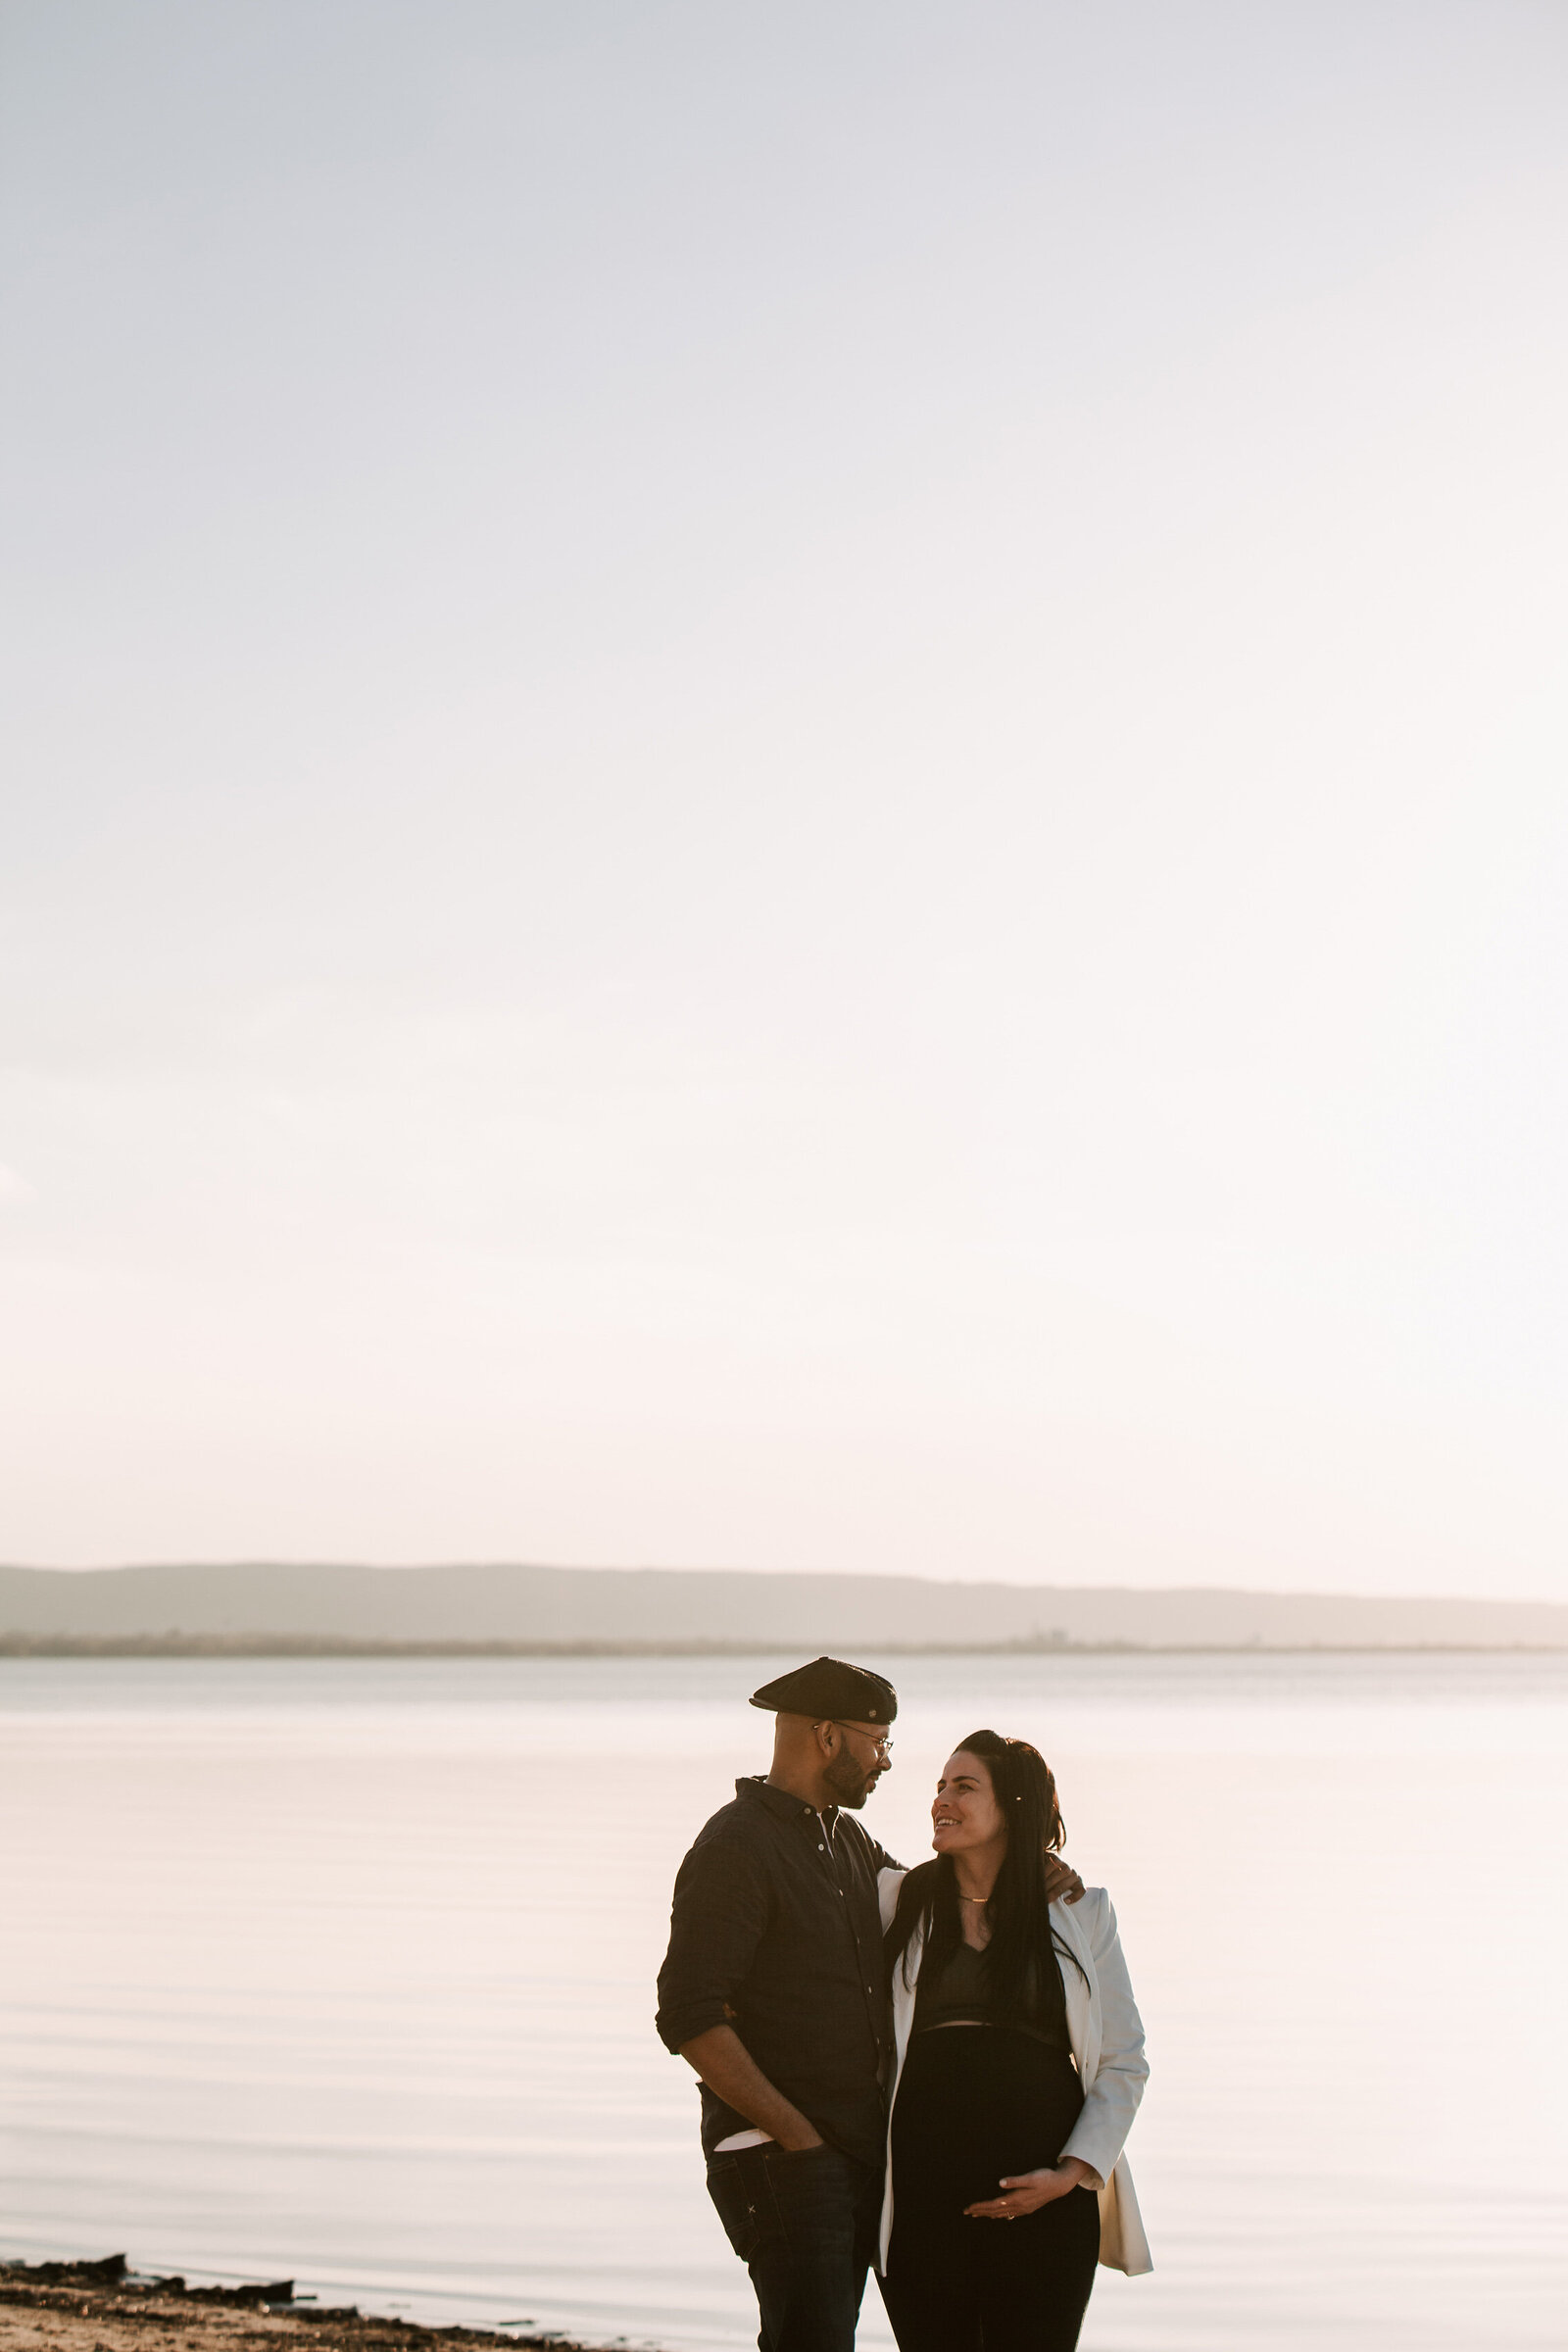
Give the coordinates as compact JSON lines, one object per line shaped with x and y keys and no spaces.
{"x":1106,"y":2036}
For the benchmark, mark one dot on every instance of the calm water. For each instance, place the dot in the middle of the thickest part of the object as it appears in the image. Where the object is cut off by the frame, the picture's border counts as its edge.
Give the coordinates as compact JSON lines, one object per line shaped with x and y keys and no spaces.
{"x":344,"y":1970}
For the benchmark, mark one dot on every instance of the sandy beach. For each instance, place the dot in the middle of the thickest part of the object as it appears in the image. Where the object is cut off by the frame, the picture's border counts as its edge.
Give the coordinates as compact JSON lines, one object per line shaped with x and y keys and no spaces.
{"x":104,"y":2306}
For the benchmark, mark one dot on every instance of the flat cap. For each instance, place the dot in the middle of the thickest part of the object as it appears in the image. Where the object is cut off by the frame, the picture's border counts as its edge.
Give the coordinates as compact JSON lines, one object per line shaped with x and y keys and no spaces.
{"x":830,"y":1690}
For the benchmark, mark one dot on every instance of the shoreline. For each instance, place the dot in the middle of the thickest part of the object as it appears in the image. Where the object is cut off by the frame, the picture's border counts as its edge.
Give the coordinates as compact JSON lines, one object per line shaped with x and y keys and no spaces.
{"x":311,"y":1645}
{"x":105,"y":2306}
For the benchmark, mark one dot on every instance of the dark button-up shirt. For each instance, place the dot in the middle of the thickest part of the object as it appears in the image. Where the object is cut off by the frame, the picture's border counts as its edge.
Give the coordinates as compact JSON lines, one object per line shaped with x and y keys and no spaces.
{"x":776,"y":1931}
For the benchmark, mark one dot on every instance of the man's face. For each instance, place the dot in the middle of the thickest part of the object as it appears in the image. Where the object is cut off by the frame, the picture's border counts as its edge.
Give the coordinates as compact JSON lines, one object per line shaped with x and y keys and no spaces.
{"x":861,"y":1754}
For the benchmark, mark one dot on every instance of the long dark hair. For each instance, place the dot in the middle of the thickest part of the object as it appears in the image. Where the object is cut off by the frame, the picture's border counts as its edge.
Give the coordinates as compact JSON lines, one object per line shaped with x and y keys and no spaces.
{"x":1019,"y":1909}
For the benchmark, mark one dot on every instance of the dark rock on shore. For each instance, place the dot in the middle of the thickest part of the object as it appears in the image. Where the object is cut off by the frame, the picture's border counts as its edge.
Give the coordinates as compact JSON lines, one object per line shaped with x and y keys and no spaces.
{"x":105,"y":2306}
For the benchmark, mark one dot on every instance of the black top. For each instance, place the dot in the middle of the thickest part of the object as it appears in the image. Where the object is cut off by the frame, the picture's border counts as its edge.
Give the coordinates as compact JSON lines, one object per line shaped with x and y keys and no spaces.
{"x":957,"y":1992}
{"x":776,"y":1931}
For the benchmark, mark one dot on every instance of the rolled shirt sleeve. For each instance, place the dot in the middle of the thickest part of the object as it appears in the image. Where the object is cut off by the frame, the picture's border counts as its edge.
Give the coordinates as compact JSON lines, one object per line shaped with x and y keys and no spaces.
{"x":716,"y":1921}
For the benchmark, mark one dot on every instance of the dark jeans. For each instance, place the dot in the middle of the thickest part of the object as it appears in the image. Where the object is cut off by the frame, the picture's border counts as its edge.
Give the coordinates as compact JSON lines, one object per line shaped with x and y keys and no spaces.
{"x":804,"y":2225}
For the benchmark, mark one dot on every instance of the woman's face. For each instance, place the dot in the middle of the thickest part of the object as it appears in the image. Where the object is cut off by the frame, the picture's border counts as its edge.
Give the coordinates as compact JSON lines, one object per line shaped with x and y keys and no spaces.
{"x":965,"y":1812}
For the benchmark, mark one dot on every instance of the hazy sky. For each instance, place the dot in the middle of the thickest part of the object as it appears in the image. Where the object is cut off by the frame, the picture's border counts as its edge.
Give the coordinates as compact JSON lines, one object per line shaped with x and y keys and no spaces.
{"x":786,"y":787}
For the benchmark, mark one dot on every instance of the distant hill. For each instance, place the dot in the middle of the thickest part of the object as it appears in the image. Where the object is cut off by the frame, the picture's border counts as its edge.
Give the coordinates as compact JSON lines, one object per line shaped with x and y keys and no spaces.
{"x":251,"y":1605}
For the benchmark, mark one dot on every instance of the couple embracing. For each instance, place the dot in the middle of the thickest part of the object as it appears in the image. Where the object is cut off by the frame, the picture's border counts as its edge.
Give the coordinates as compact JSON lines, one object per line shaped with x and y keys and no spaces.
{"x":932,"y":2070}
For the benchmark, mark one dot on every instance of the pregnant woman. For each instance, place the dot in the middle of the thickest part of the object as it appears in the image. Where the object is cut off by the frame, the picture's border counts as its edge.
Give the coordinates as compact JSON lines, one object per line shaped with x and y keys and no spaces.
{"x":1018,"y":2068}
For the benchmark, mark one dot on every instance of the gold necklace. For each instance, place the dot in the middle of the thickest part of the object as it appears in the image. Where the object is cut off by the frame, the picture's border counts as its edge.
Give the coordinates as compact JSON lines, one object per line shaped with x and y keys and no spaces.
{"x":974,"y":1898}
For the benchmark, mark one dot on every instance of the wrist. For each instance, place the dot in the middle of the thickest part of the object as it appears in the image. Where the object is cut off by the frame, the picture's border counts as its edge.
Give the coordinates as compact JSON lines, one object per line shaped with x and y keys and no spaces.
{"x":798,"y":2134}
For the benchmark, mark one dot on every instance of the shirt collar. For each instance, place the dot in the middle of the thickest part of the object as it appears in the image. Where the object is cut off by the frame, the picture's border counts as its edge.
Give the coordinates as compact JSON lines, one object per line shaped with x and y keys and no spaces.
{"x":781,"y":1804}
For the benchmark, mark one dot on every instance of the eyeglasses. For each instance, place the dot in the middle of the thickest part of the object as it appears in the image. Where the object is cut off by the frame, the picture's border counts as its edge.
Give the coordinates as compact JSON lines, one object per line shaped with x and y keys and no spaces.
{"x":879,"y":1740}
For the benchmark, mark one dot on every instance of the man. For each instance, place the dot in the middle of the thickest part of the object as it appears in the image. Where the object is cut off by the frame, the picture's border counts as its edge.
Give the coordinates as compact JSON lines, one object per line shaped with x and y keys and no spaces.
{"x":773,"y":1991}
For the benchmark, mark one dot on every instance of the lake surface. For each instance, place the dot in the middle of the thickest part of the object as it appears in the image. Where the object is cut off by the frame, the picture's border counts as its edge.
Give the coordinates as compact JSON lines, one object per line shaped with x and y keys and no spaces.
{"x":343,"y":1970}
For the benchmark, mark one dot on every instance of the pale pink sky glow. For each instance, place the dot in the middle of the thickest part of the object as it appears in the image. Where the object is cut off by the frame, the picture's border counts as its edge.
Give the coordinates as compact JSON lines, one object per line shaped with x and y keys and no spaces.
{"x":786,"y":789}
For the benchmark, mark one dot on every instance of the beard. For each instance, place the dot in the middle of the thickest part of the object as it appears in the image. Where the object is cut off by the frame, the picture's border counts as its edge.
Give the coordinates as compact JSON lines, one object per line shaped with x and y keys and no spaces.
{"x":849,"y":1782}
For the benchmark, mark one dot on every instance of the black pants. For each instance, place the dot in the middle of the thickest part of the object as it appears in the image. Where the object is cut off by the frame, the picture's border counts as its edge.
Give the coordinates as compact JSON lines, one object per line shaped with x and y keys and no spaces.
{"x":804,"y":2225}
{"x":976,"y":2102}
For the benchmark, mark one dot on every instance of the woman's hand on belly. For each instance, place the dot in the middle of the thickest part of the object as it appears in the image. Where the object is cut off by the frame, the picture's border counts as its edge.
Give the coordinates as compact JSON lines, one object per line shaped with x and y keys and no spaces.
{"x":1026,"y":2192}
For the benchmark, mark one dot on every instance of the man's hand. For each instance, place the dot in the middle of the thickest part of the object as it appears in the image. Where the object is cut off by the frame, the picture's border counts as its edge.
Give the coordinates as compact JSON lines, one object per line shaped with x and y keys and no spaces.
{"x":733,"y":2075}
{"x":1026,"y":2192}
{"x":1063,"y":1883}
